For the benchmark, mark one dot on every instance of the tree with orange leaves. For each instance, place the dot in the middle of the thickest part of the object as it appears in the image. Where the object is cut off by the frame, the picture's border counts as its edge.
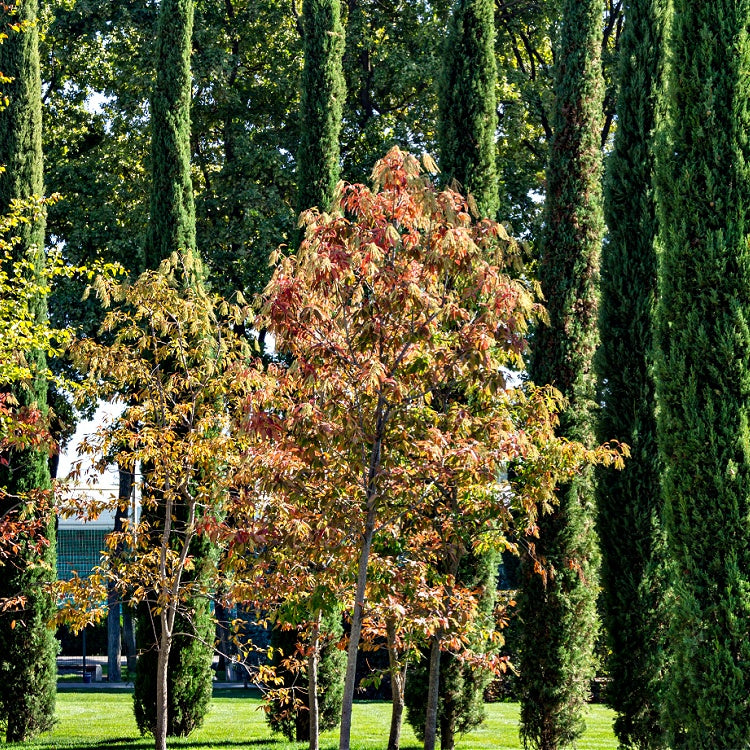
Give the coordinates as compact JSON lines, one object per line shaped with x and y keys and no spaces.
{"x":396,"y":304}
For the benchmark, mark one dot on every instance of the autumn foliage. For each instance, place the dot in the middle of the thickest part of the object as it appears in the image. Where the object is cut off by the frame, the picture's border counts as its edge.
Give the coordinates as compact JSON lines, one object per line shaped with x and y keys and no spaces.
{"x":379,"y":440}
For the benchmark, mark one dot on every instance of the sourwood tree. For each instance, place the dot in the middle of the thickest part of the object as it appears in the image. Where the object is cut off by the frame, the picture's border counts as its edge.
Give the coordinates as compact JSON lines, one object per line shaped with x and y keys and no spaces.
{"x":558,"y":607}
{"x":703,"y":345}
{"x":629,"y":502}
{"x":173,"y":684}
{"x":176,"y":356}
{"x":322,"y":97}
{"x":381,"y":313}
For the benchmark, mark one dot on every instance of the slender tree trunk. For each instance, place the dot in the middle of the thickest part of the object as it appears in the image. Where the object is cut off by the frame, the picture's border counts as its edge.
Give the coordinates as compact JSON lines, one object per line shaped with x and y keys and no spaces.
{"x":312,"y":682}
{"x":114,"y":610}
{"x":128,"y":640}
{"x":162,"y":665}
{"x":433,"y":693}
{"x":356,"y":630}
{"x":114,"y":644}
{"x":226,"y":648}
{"x":449,"y":713}
{"x":398,"y":685}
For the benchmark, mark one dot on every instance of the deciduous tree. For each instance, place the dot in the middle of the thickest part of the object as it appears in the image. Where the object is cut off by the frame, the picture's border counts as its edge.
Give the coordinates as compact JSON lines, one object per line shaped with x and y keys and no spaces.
{"x":176,"y":357}
{"x":171,"y":229}
{"x":381,"y":314}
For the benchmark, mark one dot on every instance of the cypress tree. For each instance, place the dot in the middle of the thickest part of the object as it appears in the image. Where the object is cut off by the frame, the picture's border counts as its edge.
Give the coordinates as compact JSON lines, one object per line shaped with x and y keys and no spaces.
{"x":318,"y":168}
{"x":172,"y":229}
{"x":467,"y":125}
{"x":558,"y":610}
{"x":172,"y":219}
{"x":322,"y":101}
{"x":296,"y":726}
{"x":28,"y":670}
{"x":703,"y":380}
{"x":629,"y":501}
{"x":468,"y":116}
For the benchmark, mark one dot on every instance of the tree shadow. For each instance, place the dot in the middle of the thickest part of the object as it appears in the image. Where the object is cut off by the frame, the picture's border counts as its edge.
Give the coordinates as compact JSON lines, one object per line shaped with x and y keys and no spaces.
{"x":124,"y":743}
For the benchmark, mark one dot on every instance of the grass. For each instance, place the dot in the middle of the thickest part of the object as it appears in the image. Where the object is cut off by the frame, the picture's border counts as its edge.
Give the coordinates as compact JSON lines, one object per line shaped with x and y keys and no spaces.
{"x":103,"y":720}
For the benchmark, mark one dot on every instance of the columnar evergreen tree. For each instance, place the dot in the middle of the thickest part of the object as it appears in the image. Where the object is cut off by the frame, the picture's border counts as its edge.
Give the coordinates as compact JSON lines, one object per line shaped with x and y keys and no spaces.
{"x":629,"y":501}
{"x":295,"y":725}
{"x":468,"y":121}
{"x":172,"y":229}
{"x":318,"y":168}
{"x":28,"y":670}
{"x":172,"y":219}
{"x":558,"y":609}
{"x":703,"y":380}
{"x":468,"y":111}
{"x":322,"y":101}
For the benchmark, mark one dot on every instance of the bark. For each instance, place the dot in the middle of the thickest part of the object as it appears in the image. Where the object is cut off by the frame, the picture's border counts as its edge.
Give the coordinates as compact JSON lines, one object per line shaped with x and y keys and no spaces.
{"x":356,"y":631}
{"x":448,"y":726}
{"x":114,"y":642}
{"x":364,"y":558}
{"x":165,"y":645}
{"x":223,"y":635}
{"x":312,"y":682}
{"x":128,"y":640}
{"x":433,"y":692}
{"x":398,"y":685}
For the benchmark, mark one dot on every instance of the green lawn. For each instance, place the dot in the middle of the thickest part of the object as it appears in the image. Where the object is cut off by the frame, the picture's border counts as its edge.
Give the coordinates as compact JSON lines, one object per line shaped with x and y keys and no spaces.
{"x":103,"y":720}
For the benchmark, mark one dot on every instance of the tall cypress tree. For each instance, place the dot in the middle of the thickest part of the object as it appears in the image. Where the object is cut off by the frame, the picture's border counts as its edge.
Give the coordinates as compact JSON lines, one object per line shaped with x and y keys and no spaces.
{"x":318,"y":168}
{"x":28,"y":670}
{"x":629,"y":501}
{"x":467,"y":125}
{"x":703,"y":375}
{"x":172,"y":219}
{"x":172,"y":229}
{"x":322,"y":101}
{"x":468,"y":110}
{"x":559,"y":611}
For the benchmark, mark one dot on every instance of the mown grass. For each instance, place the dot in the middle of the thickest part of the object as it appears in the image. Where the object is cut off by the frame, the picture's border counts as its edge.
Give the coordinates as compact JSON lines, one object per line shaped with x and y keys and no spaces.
{"x":103,"y":720}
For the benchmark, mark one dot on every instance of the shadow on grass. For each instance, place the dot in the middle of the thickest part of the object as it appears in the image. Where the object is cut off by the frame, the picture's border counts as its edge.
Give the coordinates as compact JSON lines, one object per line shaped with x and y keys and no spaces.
{"x":124,"y":743}
{"x":131,"y":743}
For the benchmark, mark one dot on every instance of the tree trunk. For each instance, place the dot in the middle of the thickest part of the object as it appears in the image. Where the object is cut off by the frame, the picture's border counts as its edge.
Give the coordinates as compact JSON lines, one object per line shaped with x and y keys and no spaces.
{"x":223,"y":635}
{"x":162,"y":664}
{"x":312,"y":682}
{"x":128,"y":640}
{"x":113,"y":634}
{"x":114,"y":610}
{"x":356,"y":630}
{"x":448,"y":724}
{"x":398,"y":684}
{"x":433,"y":691}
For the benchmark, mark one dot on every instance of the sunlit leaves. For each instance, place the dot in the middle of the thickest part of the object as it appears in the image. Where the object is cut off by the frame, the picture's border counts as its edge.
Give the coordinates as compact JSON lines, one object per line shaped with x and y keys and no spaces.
{"x":394,"y":419}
